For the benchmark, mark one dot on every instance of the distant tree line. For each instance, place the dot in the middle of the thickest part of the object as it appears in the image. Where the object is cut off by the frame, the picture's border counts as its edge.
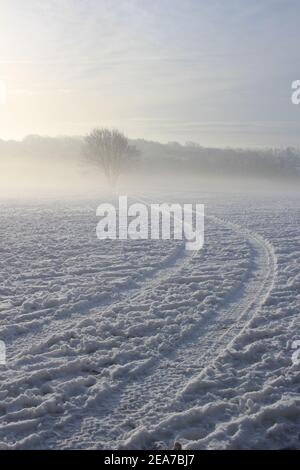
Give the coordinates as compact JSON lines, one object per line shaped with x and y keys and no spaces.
{"x":192,"y":157}
{"x":157,"y":158}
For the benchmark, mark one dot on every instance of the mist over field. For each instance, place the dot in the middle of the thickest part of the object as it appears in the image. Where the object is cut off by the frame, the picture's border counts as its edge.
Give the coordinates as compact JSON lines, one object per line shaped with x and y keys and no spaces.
{"x":58,"y":167}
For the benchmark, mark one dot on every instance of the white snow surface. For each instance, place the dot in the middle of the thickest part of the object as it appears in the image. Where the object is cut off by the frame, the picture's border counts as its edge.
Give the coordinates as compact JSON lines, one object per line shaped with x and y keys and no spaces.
{"x":136,"y":344}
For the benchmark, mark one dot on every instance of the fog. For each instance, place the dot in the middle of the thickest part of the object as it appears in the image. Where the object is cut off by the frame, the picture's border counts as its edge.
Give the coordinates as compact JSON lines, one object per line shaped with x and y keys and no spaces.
{"x":32,"y":178}
{"x":41,"y":167}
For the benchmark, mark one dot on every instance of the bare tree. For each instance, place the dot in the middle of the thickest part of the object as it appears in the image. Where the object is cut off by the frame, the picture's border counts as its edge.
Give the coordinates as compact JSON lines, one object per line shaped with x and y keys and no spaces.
{"x":111,"y":150}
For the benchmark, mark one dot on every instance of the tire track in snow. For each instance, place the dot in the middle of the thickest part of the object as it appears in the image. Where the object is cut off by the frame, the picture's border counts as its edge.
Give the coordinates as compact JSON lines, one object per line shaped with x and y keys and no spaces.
{"x":182,"y":381}
{"x":142,"y":402}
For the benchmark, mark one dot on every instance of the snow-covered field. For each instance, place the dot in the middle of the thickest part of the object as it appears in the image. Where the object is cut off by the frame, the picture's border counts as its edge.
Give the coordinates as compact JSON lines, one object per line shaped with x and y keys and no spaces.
{"x":135,"y":344}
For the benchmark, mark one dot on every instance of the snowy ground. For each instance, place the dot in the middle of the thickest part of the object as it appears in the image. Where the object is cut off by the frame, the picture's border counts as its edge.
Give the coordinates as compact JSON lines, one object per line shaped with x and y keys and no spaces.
{"x":135,"y":344}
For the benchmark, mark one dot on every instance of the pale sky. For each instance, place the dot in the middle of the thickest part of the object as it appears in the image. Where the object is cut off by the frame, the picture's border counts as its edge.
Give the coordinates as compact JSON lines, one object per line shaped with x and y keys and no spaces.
{"x":218,"y":72}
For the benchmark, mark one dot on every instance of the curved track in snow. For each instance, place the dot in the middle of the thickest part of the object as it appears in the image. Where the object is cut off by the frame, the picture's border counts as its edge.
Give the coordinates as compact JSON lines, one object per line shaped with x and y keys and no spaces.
{"x":162,"y":368}
{"x":145,"y":399}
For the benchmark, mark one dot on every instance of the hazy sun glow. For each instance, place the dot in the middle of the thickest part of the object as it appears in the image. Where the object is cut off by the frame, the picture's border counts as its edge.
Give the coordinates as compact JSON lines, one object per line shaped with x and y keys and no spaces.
{"x":212,"y":71}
